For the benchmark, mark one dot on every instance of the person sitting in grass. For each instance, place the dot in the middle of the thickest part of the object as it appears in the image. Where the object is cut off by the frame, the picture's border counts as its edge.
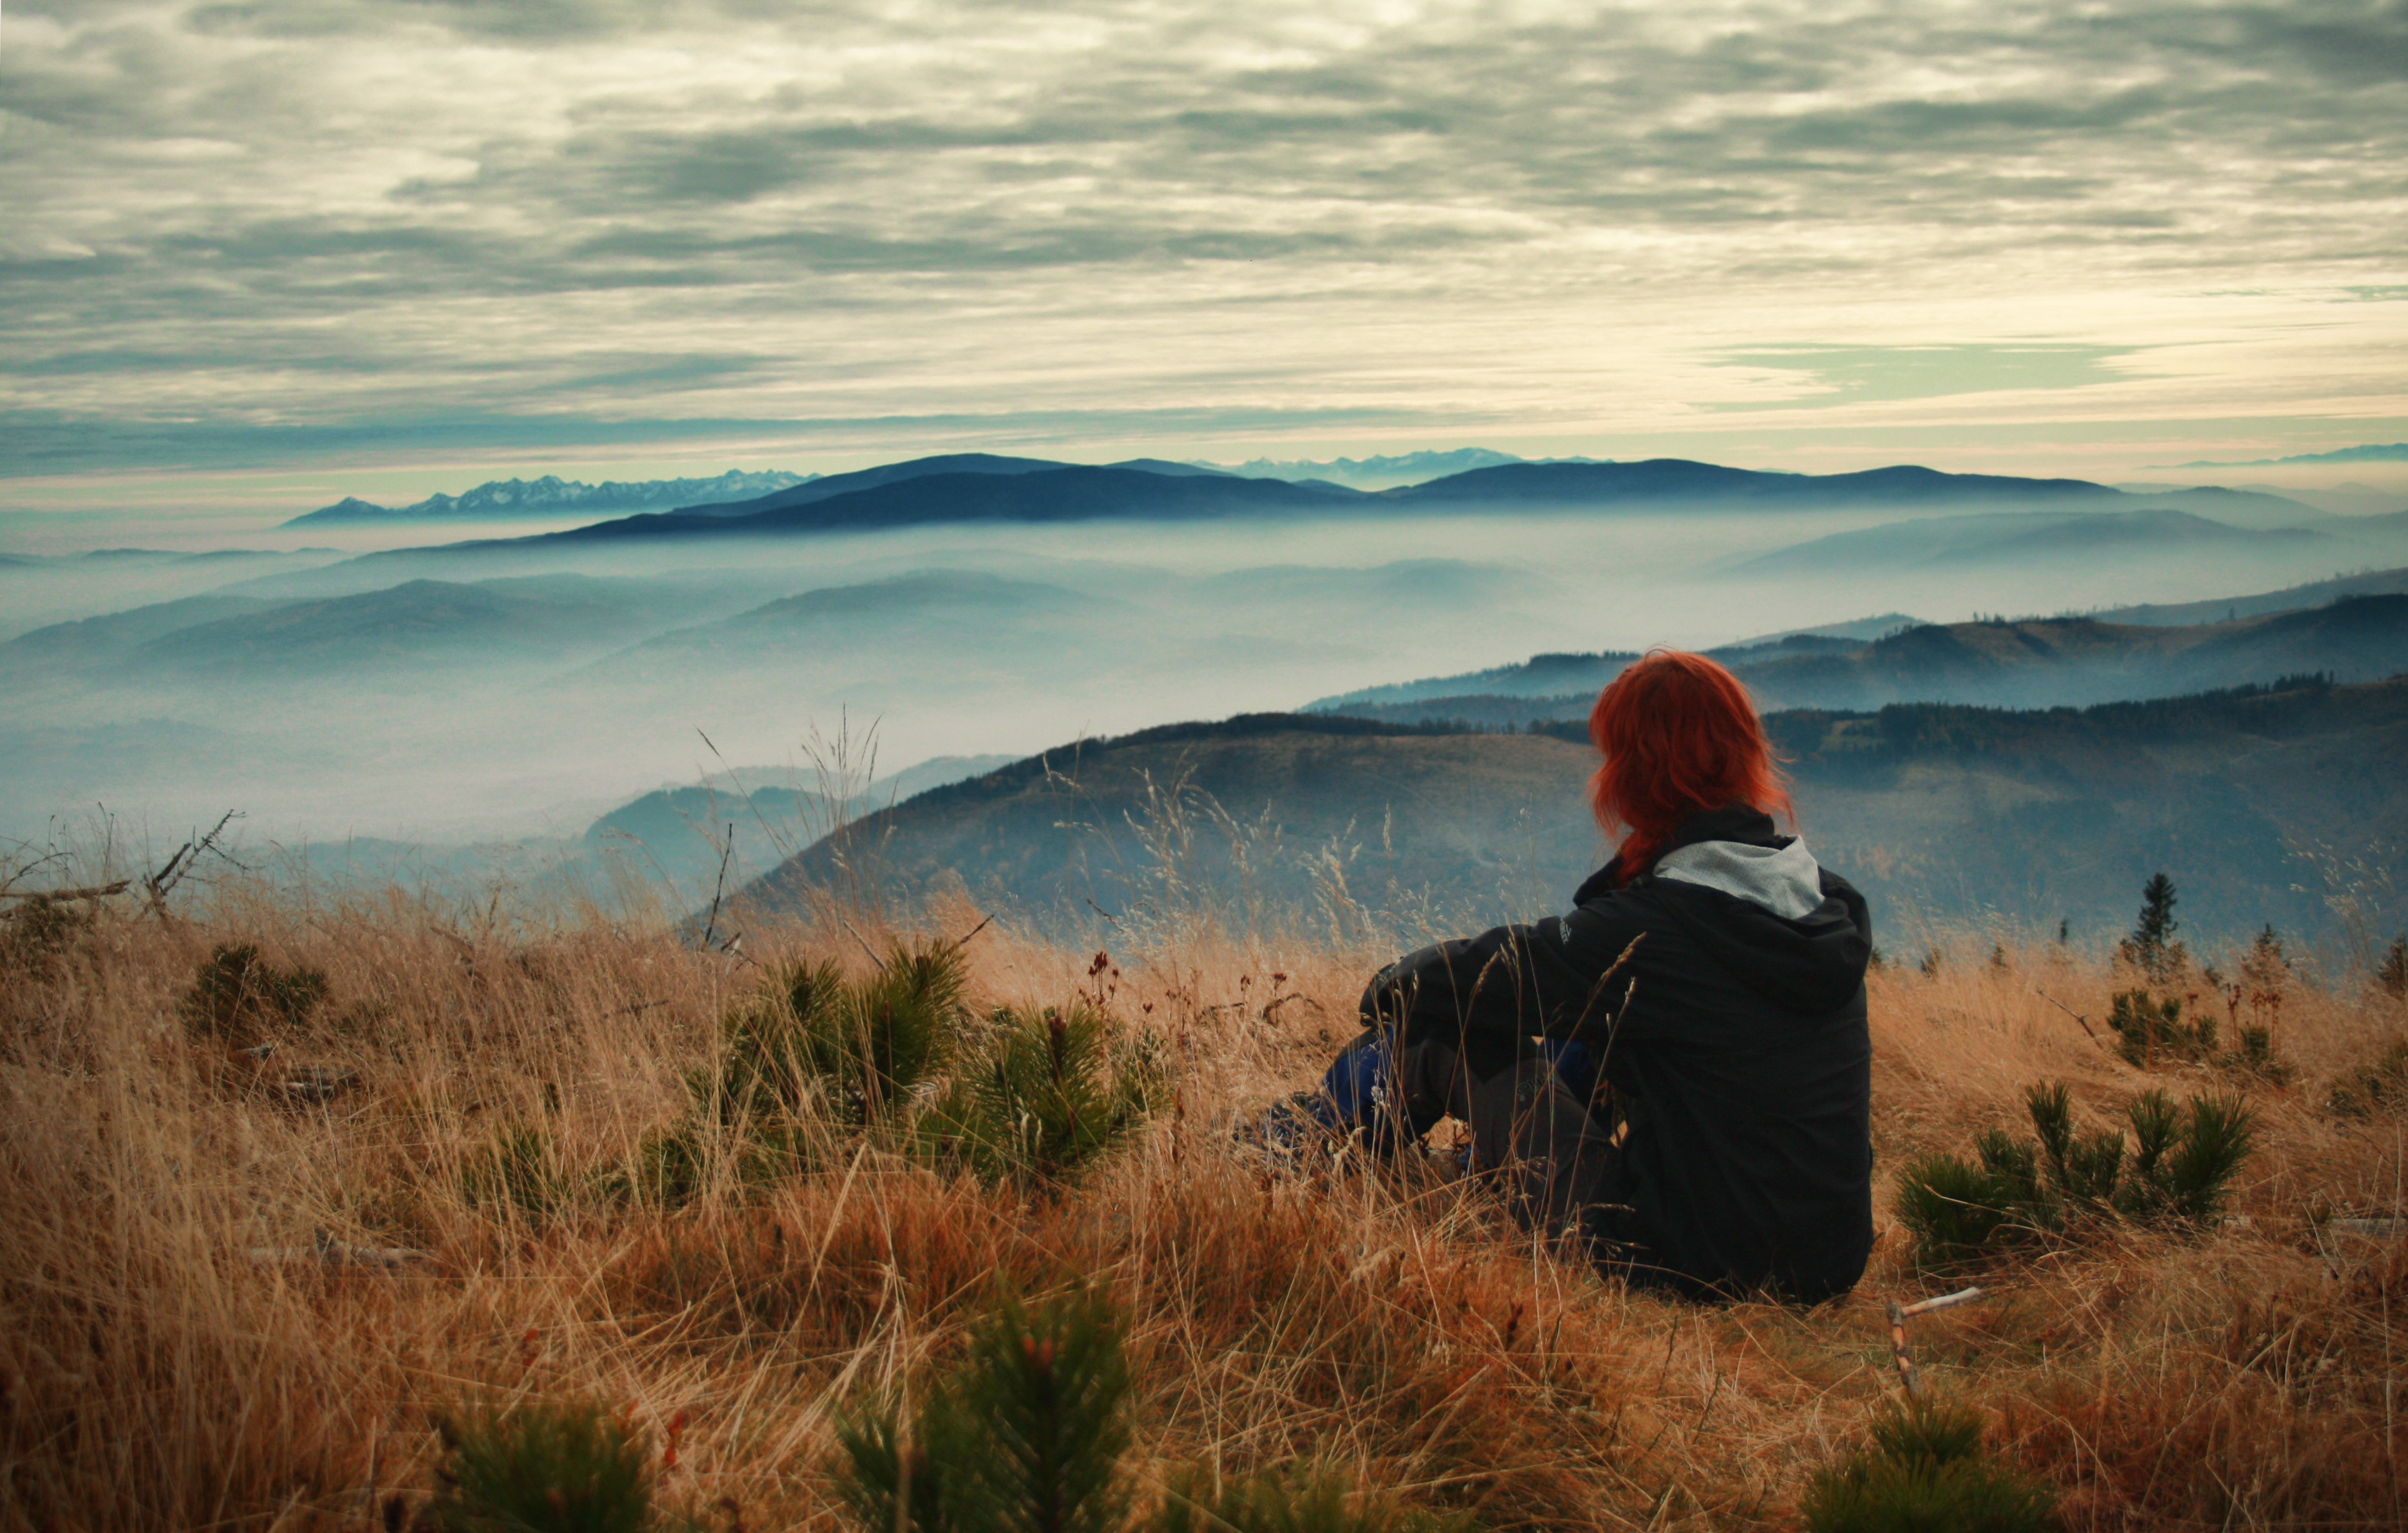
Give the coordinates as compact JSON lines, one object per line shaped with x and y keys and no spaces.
{"x":1676,"y":1075}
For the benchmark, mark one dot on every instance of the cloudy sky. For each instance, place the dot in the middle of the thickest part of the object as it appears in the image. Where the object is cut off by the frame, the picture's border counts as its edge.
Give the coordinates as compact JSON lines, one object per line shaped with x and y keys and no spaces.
{"x":397,"y":245}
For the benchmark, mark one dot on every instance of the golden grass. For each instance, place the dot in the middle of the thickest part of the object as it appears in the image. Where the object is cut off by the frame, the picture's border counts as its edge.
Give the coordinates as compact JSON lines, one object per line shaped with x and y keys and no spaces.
{"x":177,"y":1355}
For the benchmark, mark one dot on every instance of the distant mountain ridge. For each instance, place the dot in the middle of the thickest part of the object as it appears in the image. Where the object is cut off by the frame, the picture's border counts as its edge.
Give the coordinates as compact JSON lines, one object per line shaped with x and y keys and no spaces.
{"x":2027,"y":663}
{"x":983,"y":488}
{"x":1378,"y":472}
{"x":550,"y":496}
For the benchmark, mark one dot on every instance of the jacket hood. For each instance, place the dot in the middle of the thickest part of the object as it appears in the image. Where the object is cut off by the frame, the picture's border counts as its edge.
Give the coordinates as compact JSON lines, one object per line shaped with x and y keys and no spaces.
{"x":1785,"y":880}
{"x":1790,"y":929}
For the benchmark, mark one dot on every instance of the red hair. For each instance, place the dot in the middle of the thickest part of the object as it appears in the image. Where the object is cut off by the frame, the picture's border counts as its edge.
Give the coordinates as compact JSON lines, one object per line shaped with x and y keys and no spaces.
{"x":1680,"y":736}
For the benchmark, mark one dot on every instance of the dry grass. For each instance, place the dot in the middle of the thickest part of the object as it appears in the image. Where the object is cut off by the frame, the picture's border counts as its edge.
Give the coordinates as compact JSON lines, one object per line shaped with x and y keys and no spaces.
{"x":177,"y":1358}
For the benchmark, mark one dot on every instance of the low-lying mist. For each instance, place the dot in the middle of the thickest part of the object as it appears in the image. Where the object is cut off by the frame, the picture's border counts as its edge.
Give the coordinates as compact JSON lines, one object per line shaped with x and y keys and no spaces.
{"x":508,"y":692}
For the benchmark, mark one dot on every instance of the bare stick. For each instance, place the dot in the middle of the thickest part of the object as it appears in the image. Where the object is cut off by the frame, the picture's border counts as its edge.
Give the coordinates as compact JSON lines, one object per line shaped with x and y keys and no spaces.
{"x":719,"y":891}
{"x":1945,"y":1301}
{"x":958,"y":943}
{"x":865,"y":943}
{"x":2068,"y":1011}
{"x":1906,"y":1378}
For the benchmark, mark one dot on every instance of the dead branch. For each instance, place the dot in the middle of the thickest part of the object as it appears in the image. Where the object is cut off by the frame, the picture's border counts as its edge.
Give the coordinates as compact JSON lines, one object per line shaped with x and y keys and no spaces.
{"x":1899,"y":1316}
{"x":182,"y":862}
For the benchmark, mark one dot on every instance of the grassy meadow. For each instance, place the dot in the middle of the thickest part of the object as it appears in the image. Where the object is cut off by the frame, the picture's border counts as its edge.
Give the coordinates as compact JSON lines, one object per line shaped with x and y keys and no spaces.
{"x":256,"y":1248}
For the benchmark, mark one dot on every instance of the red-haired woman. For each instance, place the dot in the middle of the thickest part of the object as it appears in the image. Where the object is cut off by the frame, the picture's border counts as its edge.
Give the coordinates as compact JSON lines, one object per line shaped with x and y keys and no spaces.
{"x":1678,"y":1071}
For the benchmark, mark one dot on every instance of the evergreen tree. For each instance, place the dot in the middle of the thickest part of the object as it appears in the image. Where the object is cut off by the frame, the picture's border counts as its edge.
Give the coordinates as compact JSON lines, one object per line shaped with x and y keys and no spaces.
{"x":2152,"y":947}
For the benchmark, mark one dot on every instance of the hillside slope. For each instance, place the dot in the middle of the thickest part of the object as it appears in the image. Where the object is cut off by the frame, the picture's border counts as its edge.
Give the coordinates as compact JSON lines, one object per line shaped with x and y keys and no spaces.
{"x":2028,"y":663}
{"x":1948,"y":812}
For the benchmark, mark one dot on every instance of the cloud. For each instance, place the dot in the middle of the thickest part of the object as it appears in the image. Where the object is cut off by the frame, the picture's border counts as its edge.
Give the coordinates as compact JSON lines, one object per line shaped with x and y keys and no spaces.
{"x":1928,"y":372}
{"x":316,"y":212}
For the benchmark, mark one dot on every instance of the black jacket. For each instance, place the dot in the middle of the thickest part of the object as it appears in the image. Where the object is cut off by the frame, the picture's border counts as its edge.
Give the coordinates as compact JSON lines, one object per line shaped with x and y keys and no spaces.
{"x":1734,"y":1043}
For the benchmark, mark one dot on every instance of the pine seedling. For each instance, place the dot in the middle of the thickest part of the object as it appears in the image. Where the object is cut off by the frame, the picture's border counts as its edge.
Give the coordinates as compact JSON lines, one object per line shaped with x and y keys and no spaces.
{"x":545,"y":1468}
{"x":2148,"y":1030}
{"x":2217,"y":1137}
{"x":864,"y":1048}
{"x":1024,"y":1435}
{"x":2084,"y":1168}
{"x":2181,"y":1166}
{"x":1926,"y":1473}
{"x":1958,"y":1212}
{"x":887,"y":1482}
{"x":1049,"y":1092}
{"x":2265,"y":965}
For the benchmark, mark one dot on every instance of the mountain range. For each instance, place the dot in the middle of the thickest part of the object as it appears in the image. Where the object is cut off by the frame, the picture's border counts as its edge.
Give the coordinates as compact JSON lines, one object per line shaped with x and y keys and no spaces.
{"x":971,"y":488}
{"x":502,"y":500}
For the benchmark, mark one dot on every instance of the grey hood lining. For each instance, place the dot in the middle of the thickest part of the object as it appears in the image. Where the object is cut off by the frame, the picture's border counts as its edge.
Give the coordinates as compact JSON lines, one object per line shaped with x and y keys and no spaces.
{"x":1787,"y":880}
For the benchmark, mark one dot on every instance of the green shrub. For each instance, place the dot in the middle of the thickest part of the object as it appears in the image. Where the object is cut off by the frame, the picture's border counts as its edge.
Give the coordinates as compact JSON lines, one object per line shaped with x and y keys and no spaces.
{"x":2085,"y":1169}
{"x":238,"y":996}
{"x":1027,"y":1096}
{"x":1026,"y":1433}
{"x":2148,"y":1030}
{"x":2179,"y":1165}
{"x":1958,"y":1212}
{"x":862,"y":1048}
{"x":1926,"y":1473}
{"x":1046,"y":1093}
{"x":2192,"y":1181}
{"x":545,"y":1468}
{"x":2151,"y":1032}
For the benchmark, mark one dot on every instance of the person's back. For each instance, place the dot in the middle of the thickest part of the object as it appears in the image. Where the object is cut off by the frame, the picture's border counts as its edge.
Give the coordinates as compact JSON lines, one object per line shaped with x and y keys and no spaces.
{"x":1715,"y":973}
{"x":1741,"y":1064}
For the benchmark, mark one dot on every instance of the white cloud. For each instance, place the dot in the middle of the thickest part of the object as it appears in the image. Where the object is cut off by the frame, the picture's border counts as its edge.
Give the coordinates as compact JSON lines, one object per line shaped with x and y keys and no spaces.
{"x":1555,"y":218}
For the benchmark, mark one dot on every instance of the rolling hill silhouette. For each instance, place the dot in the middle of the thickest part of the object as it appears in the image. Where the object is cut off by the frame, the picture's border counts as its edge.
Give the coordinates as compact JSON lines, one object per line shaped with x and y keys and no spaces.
{"x":2030,"y":663}
{"x":1939,"y":812}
